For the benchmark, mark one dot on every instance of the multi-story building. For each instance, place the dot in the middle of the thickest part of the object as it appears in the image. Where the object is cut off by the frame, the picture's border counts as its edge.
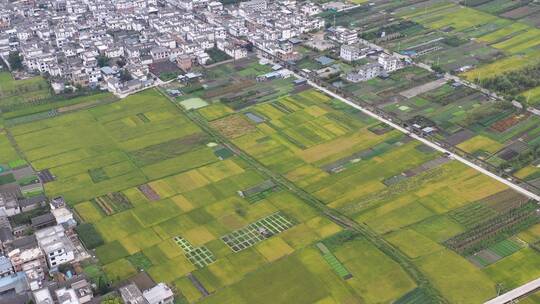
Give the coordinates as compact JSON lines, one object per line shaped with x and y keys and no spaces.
{"x":57,"y":247}
{"x":9,"y":204}
{"x":353,"y":52}
{"x":389,"y":63}
{"x":253,"y":5}
{"x":24,"y":260}
{"x":131,"y":294}
{"x":365,"y":72}
{"x":159,"y":294}
{"x":343,"y":35}
{"x":6,"y":231}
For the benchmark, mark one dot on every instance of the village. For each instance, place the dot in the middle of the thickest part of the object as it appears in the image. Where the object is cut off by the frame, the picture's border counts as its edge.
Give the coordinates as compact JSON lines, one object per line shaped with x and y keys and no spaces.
{"x":191,"y":151}
{"x":124,"y":46}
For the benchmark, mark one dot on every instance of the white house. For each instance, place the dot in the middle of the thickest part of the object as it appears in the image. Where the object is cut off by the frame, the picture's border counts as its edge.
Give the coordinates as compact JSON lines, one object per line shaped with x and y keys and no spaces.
{"x":159,"y":294}
{"x":353,"y":52}
{"x":389,"y":63}
{"x":365,"y":72}
{"x":57,"y":247}
{"x":63,"y":216}
{"x":9,"y":204}
{"x":343,"y":35}
{"x":66,"y":296}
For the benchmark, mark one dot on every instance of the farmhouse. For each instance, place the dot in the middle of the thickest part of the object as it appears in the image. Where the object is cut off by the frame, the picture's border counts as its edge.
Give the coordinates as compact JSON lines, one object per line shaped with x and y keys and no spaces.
{"x":365,"y":72}
{"x":343,"y":35}
{"x":57,"y":247}
{"x":28,"y":257}
{"x":353,"y":52}
{"x":44,"y":220}
{"x":9,"y":204}
{"x":131,"y":294}
{"x":159,"y":294}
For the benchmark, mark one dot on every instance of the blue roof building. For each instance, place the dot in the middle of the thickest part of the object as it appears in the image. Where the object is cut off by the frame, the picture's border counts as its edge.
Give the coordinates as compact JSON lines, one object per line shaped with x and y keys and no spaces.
{"x":5,"y":266}
{"x":324,"y":60}
{"x":16,"y":282}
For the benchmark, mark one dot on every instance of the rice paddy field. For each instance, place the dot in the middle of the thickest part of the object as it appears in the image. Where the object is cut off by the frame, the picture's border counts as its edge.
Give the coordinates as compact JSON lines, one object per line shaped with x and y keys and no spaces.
{"x":151,"y":187}
{"x":112,"y":147}
{"x":215,"y":196}
{"x":503,"y":37}
{"x":397,"y":187}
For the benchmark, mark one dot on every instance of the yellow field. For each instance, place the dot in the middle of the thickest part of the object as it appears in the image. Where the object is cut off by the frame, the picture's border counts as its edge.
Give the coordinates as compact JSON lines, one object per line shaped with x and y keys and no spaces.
{"x":89,"y":212}
{"x":512,"y":63}
{"x":532,"y":96}
{"x":341,"y":146}
{"x":480,"y":143}
{"x":449,"y":273}
{"x":501,"y":33}
{"x":274,"y":249}
{"x":521,"y":42}
{"x":413,"y":244}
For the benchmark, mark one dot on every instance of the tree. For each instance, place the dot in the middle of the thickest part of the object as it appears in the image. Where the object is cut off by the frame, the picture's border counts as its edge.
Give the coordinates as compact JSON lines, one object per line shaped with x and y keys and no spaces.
{"x":437,"y":69}
{"x":64,"y":268}
{"x":125,"y":75}
{"x":103,"y":286}
{"x":102,"y":61}
{"x":15,"y":60}
{"x":121,"y":62}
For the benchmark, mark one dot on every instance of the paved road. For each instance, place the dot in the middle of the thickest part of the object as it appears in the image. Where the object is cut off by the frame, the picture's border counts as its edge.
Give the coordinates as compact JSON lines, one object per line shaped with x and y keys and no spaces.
{"x":428,"y":143}
{"x":516,"y":293}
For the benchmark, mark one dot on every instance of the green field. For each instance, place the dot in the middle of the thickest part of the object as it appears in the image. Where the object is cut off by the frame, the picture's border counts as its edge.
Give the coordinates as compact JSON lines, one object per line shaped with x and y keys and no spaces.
{"x":358,"y":188}
{"x":101,"y":157}
{"x":114,"y":141}
{"x":155,"y":191}
{"x":7,"y":152}
{"x":19,"y":92}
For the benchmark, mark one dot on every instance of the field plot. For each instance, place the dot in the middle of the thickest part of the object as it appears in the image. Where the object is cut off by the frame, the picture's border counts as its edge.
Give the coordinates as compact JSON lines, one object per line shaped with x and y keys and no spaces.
{"x":198,"y":256}
{"x":517,"y":269}
{"x":507,"y":45}
{"x":179,"y":225}
{"x":7,"y":152}
{"x":411,"y":195}
{"x":257,"y":231}
{"x":495,"y":252}
{"x":15,"y":93}
{"x":157,"y":193}
{"x":333,"y":262}
{"x":453,"y":17}
{"x":113,"y":203}
{"x":113,"y":147}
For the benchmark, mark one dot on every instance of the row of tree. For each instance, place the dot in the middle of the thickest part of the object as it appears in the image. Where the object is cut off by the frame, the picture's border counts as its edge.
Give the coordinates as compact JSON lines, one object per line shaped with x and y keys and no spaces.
{"x":511,"y":84}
